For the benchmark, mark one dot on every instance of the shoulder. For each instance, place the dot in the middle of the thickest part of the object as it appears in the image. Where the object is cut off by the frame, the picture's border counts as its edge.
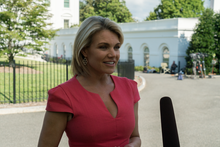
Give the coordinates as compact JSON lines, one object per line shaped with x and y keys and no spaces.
{"x":62,"y":87}
{"x":127,"y":86}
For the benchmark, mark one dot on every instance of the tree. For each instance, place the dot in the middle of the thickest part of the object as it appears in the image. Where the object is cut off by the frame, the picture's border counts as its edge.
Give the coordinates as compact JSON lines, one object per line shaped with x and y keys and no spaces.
{"x":113,"y":9}
{"x":217,"y":38}
{"x":217,"y":34}
{"x":203,"y":39}
{"x":23,"y":25}
{"x":177,"y":8}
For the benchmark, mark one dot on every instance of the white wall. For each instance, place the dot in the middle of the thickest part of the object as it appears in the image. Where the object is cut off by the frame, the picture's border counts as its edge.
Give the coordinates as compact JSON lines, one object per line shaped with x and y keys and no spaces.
{"x":215,"y":5}
{"x":65,"y":38}
{"x":60,"y":13}
{"x":174,"y":34}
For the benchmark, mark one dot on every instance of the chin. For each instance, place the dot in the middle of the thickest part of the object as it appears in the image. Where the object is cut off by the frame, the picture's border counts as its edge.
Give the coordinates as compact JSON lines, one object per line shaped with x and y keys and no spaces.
{"x":109,"y":72}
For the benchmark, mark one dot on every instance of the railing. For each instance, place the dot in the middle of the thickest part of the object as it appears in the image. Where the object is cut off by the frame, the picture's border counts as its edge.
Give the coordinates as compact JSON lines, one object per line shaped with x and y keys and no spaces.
{"x":29,"y":81}
{"x":126,"y":69}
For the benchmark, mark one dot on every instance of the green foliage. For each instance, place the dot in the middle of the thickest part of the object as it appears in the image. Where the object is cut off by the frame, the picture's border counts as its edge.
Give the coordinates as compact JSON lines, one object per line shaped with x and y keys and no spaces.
{"x":22,"y":55}
{"x":23,"y":25}
{"x":141,"y":68}
{"x":157,"y":69}
{"x":177,"y":8}
{"x":203,"y":40}
{"x":113,"y":9}
{"x":138,"y":68}
{"x":149,"y":67}
{"x":217,"y":34}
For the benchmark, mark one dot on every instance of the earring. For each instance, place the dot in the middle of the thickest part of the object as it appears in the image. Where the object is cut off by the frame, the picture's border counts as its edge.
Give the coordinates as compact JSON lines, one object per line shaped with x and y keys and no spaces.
{"x":85,"y":61}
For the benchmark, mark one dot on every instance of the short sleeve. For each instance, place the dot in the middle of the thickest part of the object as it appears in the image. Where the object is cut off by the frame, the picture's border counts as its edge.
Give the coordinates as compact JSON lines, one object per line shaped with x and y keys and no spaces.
{"x":58,"y":101}
{"x":135,"y":91}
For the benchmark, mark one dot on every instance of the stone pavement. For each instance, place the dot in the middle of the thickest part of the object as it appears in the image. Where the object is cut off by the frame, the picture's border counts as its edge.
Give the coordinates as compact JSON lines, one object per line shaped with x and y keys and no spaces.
{"x":196,"y":105}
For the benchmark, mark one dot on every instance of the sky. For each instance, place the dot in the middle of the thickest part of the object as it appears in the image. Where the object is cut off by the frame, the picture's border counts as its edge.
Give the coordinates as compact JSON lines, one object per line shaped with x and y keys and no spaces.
{"x":140,"y":9}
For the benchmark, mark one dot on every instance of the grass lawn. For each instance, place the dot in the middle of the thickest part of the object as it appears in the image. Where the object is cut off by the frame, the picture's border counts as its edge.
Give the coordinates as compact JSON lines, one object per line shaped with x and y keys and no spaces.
{"x":32,"y":80}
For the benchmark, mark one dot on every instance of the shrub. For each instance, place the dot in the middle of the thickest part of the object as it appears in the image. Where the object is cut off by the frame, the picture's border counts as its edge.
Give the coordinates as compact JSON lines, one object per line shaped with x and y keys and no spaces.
{"x":149,"y":67}
{"x":138,"y":68}
{"x":51,"y":59}
{"x":188,"y":71}
{"x":157,"y":69}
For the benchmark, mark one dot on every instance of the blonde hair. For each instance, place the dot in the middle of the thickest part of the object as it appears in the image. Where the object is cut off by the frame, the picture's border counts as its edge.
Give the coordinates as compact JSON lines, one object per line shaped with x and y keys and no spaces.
{"x":83,"y":39}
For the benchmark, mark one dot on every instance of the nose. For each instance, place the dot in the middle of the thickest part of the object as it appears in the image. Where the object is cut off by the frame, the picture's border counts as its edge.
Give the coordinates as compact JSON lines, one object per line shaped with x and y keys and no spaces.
{"x":112,"y":52}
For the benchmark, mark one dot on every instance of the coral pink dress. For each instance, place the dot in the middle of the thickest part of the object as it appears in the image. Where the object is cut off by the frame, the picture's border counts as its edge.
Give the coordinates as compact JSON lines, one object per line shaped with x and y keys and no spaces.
{"x":92,"y":124}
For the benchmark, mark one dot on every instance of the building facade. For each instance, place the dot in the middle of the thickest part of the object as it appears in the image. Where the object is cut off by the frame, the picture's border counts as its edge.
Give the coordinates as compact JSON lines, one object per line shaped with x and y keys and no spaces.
{"x":148,"y":43}
{"x":65,"y":13}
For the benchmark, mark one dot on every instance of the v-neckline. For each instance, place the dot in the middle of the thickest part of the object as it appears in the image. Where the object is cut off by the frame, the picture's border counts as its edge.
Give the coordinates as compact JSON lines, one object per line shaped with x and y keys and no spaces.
{"x":100,"y":99}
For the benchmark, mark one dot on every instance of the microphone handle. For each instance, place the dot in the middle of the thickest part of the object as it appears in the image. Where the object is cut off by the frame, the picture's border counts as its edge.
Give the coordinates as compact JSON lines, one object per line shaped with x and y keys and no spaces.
{"x":168,"y":123}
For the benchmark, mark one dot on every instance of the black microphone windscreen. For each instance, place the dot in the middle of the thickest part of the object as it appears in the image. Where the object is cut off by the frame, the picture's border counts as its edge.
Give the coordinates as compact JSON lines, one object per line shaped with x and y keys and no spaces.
{"x":168,"y":123}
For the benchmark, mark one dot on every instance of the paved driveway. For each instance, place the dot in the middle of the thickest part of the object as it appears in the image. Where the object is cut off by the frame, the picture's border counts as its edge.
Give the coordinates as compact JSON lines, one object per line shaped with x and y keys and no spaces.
{"x":196,"y":105}
{"x":23,"y":130}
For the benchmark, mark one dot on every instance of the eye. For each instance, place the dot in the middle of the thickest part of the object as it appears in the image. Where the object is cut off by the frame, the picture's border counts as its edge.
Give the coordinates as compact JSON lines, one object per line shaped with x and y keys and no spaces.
{"x":117,"y":47}
{"x":103,"y":47}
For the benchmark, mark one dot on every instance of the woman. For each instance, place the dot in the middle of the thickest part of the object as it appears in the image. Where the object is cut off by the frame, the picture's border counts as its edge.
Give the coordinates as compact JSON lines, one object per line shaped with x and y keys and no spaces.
{"x":94,"y":108}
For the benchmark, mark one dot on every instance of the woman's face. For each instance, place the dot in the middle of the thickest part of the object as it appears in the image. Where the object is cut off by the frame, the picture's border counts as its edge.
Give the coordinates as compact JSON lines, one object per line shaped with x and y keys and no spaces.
{"x":103,"y":53}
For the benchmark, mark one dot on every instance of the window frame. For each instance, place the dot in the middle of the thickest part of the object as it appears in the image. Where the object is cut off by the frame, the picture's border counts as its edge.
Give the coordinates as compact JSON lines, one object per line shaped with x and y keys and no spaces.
{"x":65,"y":23}
{"x":166,"y":60}
{"x":130,"y":53}
{"x":146,"y":53}
{"x":66,"y":2}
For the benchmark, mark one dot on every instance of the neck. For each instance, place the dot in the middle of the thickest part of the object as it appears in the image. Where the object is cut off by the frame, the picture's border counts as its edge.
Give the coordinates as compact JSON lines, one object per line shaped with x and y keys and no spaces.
{"x":94,"y":79}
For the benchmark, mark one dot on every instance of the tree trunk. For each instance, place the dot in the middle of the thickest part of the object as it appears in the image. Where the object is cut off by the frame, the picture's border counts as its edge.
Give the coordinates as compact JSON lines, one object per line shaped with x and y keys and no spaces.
{"x":11,"y":58}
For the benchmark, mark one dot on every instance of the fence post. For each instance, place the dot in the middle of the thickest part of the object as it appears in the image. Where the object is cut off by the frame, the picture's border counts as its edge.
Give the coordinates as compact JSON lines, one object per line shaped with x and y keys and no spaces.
{"x":66,"y":70}
{"x":118,"y":68}
{"x":14,"y":87}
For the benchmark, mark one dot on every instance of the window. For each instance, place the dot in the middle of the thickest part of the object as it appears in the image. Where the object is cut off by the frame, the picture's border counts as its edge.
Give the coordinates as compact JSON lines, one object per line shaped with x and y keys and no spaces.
{"x":66,"y":23}
{"x":166,"y":55}
{"x":146,"y":56}
{"x":130,"y":53}
{"x":66,"y":3}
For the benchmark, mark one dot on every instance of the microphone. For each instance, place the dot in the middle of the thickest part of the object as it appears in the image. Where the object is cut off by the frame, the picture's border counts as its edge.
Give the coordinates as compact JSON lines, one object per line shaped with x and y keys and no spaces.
{"x":168,"y":123}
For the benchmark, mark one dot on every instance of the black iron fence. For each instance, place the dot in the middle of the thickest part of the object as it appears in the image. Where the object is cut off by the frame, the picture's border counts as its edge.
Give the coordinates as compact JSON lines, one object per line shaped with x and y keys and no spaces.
{"x":29,"y":81}
{"x":126,"y":69}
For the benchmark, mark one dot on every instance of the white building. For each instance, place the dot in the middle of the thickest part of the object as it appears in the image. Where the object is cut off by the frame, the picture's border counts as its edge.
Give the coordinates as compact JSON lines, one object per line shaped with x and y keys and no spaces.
{"x":215,"y":5}
{"x":65,"y":13}
{"x":148,"y":43}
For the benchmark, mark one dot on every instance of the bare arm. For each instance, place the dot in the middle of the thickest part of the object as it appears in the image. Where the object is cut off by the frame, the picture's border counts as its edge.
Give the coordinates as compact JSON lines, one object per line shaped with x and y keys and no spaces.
{"x":135,"y":140}
{"x":53,"y":128}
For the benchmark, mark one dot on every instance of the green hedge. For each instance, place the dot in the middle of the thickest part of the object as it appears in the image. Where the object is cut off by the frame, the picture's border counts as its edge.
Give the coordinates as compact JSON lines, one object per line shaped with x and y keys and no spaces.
{"x":141,"y":68}
{"x":138,"y":68}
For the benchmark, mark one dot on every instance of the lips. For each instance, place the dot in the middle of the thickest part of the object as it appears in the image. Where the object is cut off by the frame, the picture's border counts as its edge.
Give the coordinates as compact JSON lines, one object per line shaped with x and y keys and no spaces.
{"x":111,"y":63}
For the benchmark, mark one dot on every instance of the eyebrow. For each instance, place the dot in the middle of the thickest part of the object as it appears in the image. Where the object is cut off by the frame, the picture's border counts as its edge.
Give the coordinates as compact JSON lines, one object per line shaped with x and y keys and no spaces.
{"x":108,"y":44}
